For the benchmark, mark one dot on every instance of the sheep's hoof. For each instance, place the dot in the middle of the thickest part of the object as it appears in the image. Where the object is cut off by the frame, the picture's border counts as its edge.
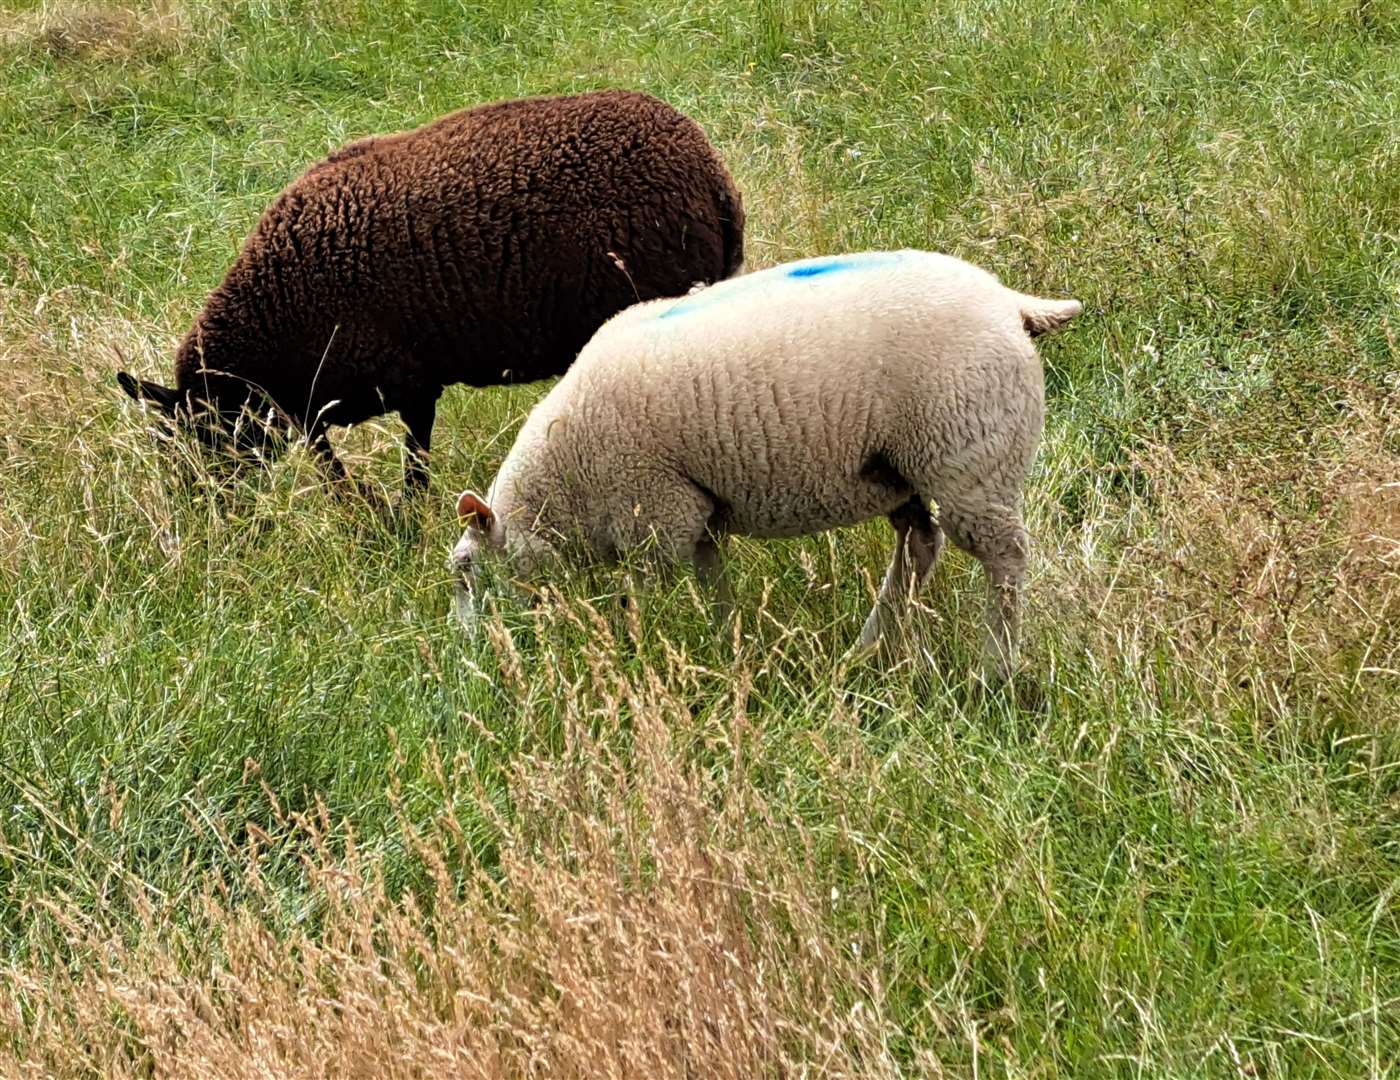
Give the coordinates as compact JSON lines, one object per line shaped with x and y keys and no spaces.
{"x":401,"y":504}
{"x":1029,"y":694}
{"x":885,"y":643}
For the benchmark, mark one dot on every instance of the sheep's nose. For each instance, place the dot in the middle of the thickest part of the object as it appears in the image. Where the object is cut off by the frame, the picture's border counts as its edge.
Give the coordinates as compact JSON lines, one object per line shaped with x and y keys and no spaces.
{"x":465,"y":605}
{"x":461,"y":558}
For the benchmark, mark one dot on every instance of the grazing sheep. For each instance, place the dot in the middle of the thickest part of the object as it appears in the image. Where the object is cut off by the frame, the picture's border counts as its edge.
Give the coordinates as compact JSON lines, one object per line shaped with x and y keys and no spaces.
{"x":484,"y":248}
{"x":801,"y":398}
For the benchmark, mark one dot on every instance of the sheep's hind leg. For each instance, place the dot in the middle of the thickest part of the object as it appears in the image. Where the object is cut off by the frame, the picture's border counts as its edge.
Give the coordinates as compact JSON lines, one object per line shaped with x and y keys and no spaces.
{"x":918,"y":540}
{"x":319,"y":442}
{"x":996,"y":537}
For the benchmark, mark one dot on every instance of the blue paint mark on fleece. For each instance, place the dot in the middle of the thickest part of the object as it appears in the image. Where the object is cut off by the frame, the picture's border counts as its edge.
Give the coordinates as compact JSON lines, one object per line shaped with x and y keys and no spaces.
{"x":808,"y":268}
{"x":813,"y":269}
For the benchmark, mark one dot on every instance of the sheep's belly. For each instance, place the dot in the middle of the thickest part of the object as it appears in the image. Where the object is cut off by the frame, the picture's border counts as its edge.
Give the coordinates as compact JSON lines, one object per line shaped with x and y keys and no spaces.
{"x":777,"y":512}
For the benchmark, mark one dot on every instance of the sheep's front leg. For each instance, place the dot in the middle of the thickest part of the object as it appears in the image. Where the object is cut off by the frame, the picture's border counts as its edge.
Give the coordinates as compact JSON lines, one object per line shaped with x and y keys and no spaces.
{"x":342,"y":483}
{"x":918,"y":540}
{"x":320,"y":443}
{"x":418,"y":418}
{"x":710,"y":570}
{"x":674,"y":522}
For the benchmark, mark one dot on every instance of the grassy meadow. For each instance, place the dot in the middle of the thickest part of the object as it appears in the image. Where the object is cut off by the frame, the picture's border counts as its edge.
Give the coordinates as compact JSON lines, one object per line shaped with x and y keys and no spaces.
{"x":264,"y":811}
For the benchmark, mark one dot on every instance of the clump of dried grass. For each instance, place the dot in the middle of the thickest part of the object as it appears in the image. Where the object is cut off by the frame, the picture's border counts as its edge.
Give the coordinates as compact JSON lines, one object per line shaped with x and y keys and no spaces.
{"x":644,"y":918}
{"x":1272,"y":580}
{"x":77,"y":31}
{"x":59,"y":353}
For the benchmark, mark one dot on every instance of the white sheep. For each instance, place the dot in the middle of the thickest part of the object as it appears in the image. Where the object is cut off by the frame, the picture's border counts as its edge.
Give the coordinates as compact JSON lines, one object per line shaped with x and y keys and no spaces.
{"x":821,"y":393}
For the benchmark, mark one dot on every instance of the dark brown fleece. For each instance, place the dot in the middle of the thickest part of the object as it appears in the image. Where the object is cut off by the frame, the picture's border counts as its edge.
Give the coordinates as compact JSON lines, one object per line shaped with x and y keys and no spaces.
{"x":483,"y":248}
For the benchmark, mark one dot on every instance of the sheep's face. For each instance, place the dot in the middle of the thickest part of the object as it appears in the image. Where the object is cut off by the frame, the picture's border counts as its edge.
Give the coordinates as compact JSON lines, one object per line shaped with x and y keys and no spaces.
{"x":231,"y":438}
{"x":482,"y":535}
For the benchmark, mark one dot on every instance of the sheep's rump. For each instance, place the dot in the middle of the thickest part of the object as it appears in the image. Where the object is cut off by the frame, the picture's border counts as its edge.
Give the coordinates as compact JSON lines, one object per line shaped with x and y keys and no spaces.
{"x":483,"y":248}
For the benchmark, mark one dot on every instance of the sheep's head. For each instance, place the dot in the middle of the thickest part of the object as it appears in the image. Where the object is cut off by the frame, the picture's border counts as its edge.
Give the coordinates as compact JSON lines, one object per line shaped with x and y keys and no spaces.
{"x":233,"y":435}
{"x":497,"y":553}
{"x":481,"y":533}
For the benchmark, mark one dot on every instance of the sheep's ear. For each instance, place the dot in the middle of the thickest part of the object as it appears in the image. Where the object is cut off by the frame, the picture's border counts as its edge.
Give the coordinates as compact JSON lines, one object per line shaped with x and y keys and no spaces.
{"x":474,"y":512}
{"x":140,"y":390}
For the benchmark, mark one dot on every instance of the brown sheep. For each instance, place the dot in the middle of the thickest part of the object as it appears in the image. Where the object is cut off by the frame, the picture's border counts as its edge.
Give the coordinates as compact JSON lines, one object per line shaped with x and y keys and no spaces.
{"x":483,"y":248}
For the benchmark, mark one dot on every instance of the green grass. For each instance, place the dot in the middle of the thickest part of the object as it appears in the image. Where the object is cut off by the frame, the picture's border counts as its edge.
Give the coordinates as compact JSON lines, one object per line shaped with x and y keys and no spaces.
{"x":1186,"y":863}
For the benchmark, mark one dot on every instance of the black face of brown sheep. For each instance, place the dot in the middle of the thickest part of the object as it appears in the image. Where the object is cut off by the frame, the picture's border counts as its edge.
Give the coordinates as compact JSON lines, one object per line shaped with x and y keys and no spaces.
{"x":233,"y":438}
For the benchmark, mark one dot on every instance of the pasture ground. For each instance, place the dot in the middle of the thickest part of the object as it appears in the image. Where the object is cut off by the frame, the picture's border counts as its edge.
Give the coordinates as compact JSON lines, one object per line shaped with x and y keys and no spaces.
{"x":267,"y":813}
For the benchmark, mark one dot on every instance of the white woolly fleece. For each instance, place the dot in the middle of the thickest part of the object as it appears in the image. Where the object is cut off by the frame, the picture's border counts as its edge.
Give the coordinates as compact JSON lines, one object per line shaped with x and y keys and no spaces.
{"x":788,"y":401}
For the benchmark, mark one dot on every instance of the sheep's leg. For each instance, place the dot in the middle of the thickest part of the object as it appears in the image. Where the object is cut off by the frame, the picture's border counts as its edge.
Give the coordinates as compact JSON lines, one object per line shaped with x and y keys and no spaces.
{"x":918,"y":540}
{"x":996,"y":537}
{"x":672,"y":528}
{"x":320,"y":443}
{"x":418,"y":418}
{"x":710,"y":570}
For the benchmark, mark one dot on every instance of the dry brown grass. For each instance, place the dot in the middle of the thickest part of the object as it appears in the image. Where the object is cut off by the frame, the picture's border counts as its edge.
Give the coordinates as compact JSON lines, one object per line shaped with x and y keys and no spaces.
{"x":646,"y":919}
{"x":60,"y":353}
{"x":74,"y":31}
{"x":1273,"y":581}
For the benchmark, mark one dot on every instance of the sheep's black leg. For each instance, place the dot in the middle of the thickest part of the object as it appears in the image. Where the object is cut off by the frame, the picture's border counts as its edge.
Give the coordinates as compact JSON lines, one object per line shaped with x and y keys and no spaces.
{"x":320,"y":443}
{"x":419,"y":420}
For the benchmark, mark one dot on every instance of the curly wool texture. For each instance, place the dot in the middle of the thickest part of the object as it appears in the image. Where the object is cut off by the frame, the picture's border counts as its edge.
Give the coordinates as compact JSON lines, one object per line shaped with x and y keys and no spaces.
{"x":483,"y":248}
{"x":790,"y":401}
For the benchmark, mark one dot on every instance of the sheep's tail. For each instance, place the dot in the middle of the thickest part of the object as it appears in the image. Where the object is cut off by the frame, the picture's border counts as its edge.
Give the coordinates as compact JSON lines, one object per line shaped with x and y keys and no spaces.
{"x":1040,"y":316}
{"x":731,"y":215}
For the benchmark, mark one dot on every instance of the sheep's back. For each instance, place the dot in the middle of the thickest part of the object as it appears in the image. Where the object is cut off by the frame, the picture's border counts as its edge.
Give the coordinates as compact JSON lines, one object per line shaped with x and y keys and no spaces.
{"x":482,"y":248}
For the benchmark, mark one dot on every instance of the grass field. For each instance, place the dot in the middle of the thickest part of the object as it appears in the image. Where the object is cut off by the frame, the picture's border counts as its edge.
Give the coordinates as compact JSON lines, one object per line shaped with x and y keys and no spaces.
{"x":267,"y":812}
